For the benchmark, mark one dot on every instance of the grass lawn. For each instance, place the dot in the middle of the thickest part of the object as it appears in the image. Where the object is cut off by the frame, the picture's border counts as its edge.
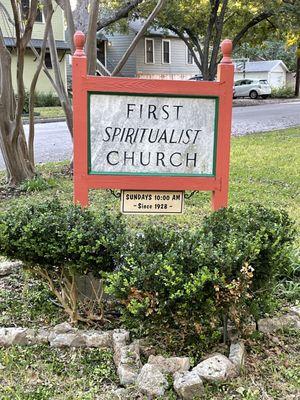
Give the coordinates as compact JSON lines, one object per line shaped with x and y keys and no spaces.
{"x":265,"y":169}
{"x":49,"y":112}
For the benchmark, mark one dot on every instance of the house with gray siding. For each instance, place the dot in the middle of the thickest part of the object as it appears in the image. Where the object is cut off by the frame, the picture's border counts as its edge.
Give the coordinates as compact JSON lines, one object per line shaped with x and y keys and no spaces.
{"x":160,"y":54}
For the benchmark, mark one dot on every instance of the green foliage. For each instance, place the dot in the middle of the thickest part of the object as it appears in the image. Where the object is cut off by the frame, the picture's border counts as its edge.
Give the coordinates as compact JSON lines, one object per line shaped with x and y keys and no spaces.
{"x":59,"y":243}
{"x":41,"y":99}
{"x":189,"y":279}
{"x":37,"y":184}
{"x":269,"y":50}
{"x":43,"y":373}
{"x":204,"y":23}
{"x":51,"y":235}
{"x":46,"y":100}
{"x":282,"y":93}
{"x":25,"y":301}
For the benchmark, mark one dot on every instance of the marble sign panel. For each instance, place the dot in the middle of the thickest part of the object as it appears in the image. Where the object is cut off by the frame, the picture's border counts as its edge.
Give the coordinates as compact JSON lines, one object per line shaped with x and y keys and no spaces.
{"x":153,"y":135}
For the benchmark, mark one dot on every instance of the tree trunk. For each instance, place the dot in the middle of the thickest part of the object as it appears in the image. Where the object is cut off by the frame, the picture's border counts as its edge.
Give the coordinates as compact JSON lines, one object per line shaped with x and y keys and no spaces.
{"x":12,"y":138}
{"x":91,"y":39}
{"x":16,"y":159}
{"x":297,"y":85}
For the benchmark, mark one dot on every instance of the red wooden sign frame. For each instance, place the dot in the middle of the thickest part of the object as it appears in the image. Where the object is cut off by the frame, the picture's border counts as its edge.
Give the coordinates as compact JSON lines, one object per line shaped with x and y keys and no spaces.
{"x":83,"y":84}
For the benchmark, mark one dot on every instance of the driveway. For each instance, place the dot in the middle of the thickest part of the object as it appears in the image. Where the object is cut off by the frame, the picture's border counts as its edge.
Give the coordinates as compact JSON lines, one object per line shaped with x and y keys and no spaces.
{"x":53,"y":141}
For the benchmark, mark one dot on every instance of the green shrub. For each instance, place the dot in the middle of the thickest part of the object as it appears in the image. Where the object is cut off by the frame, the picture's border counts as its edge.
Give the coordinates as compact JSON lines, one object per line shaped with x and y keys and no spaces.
{"x":41,"y":99}
{"x":282,"y":93}
{"x":59,"y":242}
{"x":51,"y":235}
{"x":37,"y":184}
{"x":46,"y":100}
{"x":191,"y":280}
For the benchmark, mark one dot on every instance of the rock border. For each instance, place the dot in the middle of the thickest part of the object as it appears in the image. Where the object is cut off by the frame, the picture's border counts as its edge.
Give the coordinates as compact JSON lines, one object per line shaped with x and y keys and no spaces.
{"x":153,"y":378}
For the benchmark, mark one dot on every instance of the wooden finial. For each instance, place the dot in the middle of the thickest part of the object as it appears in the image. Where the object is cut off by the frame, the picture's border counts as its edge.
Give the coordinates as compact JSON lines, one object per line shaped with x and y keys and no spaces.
{"x":79,"y":41}
{"x":226,"y":47}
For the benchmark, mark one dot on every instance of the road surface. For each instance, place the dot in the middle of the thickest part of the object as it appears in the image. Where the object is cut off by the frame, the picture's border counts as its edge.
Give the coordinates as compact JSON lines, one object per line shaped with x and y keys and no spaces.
{"x":53,"y":141}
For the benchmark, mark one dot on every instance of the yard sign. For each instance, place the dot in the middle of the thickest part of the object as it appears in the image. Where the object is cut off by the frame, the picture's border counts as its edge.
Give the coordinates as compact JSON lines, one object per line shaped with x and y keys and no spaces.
{"x":145,"y":135}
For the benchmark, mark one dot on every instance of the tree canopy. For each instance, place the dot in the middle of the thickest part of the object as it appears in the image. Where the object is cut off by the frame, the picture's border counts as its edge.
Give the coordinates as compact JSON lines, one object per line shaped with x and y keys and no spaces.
{"x":202,"y":24}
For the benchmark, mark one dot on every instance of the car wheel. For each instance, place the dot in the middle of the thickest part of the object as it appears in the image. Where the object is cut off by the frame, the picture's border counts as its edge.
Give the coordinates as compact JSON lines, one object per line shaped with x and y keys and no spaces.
{"x":253,"y":94}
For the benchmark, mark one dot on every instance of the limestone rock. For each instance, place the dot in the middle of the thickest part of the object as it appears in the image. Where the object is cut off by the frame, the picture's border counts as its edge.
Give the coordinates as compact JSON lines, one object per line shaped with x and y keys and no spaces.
{"x":32,"y":336}
{"x":151,"y":381}
{"x":97,"y":339}
{"x":237,"y":355}
{"x":295,"y":310}
{"x":42,"y":335}
{"x":67,"y":340}
{"x":129,"y":364}
{"x":124,"y":394}
{"x":120,"y":338}
{"x":120,"y":394}
{"x":11,"y":336}
{"x":188,"y":385}
{"x":8,"y":267}
{"x":271,"y":325}
{"x":22,"y":336}
{"x":217,"y":368}
{"x":170,"y":365}
{"x":64,"y":327}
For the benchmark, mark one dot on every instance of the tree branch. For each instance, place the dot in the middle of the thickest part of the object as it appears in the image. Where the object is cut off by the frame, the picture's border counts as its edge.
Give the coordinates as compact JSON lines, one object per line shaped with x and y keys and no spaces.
{"x":30,"y":22}
{"x":119,"y":14}
{"x":209,"y":31}
{"x":33,"y":86}
{"x":219,"y":23}
{"x":91,"y":38}
{"x":188,"y":44}
{"x":256,"y":20}
{"x":62,"y":93}
{"x":141,"y":33}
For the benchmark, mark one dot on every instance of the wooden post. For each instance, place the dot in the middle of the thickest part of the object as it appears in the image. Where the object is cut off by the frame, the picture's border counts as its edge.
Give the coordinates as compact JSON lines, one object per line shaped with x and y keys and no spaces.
{"x":79,"y":71}
{"x":226,"y":78}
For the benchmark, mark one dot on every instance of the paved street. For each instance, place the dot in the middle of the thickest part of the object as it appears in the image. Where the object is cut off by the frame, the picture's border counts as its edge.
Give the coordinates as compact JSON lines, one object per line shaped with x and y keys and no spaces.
{"x":266,"y":117}
{"x":53,"y":141}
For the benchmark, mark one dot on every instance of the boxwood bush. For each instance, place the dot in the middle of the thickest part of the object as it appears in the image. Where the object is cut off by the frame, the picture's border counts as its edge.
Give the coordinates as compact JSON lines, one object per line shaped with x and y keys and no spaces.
{"x":193,"y":280}
{"x":188,"y":280}
{"x":59,"y":243}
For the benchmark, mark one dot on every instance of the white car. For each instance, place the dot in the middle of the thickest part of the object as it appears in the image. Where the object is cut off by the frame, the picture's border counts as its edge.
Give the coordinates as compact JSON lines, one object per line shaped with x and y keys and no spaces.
{"x":252,"y":88}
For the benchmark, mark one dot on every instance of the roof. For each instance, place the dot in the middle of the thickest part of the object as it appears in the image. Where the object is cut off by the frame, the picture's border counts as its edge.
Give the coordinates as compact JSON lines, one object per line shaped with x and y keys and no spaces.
{"x":260,"y":66}
{"x":100,"y":36}
{"x":137,"y":24}
{"x":37,"y":43}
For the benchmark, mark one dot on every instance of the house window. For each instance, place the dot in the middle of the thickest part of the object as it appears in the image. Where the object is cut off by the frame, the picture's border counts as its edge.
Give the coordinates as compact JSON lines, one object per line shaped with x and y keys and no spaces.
{"x":25,"y":5}
{"x":166,"y":52}
{"x":48,"y":61}
{"x":149,"y":51}
{"x":190,"y":58}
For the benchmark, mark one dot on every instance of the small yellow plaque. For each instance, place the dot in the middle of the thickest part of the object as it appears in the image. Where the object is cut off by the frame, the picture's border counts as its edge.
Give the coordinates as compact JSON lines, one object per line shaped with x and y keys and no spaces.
{"x":152,"y":202}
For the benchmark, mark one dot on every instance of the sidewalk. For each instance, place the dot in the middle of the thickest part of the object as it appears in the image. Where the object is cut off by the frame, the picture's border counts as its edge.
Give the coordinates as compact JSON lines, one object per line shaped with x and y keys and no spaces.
{"x":245,"y":102}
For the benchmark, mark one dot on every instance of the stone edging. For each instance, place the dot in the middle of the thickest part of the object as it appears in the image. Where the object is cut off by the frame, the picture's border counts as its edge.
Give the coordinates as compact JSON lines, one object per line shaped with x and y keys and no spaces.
{"x":149,"y":379}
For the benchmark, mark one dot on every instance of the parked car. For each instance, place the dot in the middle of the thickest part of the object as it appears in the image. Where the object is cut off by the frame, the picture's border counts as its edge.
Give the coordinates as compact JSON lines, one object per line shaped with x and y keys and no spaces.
{"x":252,"y":88}
{"x":197,"y":77}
